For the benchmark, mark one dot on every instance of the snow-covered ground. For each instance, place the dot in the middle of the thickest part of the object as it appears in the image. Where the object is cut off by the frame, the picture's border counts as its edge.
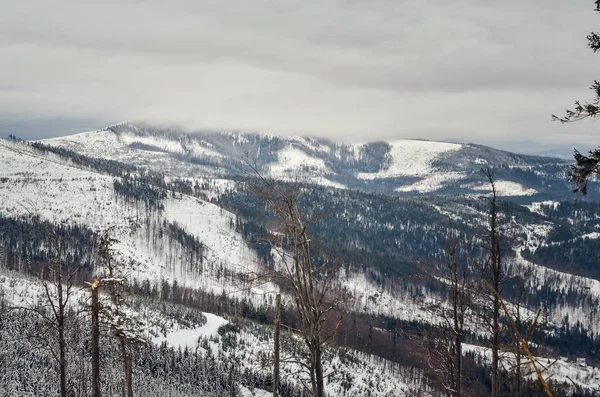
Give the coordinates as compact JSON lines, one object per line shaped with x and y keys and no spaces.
{"x":251,"y":345}
{"x":507,"y":189}
{"x":432,"y":182}
{"x":51,"y":187}
{"x":411,"y":158}
{"x":537,"y":206}
{"x":560,"y":370}
{"x":188,"y":337}
{"x":33,"y":183}
{"x":294,"y":164}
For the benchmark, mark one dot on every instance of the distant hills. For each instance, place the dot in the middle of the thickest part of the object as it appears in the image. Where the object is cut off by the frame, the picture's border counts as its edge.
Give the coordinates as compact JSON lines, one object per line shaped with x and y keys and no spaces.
{"x":400,"y":167}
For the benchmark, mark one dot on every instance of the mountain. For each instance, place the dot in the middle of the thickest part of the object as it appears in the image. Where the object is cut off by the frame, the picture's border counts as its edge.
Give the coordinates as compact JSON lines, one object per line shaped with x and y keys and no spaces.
{"x":193,"y":235}
{"x":401,"y":167}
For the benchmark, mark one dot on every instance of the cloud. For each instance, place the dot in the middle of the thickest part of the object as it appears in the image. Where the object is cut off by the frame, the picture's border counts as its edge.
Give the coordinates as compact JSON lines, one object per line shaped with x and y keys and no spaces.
{"x":353,"y":70}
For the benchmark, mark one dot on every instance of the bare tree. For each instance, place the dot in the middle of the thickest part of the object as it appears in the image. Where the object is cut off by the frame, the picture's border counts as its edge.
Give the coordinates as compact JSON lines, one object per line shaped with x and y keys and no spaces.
{"x":310,"y":284}
{"x":444,"y":347}
{"x":523,"y":339}
{"x":95,"y":310}
{"x":460,"y":299}
{"x":58,"y":283}
{"x":276,"y":345}
{"x":519,"y":369}
{"x":494,"y":273}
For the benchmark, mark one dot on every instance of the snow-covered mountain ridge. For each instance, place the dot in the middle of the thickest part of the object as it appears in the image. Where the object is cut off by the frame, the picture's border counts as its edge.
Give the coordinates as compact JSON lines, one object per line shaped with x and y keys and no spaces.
{"x":396,"y":167}
{"x":381,"y":230}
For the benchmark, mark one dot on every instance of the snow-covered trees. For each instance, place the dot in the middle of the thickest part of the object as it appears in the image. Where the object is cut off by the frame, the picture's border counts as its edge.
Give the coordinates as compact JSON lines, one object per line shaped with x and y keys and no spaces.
{"x":123,"y":324}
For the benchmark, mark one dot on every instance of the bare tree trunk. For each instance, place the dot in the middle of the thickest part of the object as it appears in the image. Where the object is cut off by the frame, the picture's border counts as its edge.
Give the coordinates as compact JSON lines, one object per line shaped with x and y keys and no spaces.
{"x":129,"y":375}
{"x":495,"y":349}
{"x":319,"y":372}
{"x":58,"y":305}
{"x":445,"y":356}
{"x":457,"y":314}
{"x":127,"y":370}
{"x":494,"y":275}
{"x":276,"y":345}
{"x":518,"y":363}
{"x":60,"y":321}
{"x":95,"y":344}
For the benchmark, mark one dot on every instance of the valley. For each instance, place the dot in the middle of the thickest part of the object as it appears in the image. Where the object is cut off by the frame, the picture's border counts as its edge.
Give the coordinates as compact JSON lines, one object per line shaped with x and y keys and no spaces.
{"x":198,"y":248}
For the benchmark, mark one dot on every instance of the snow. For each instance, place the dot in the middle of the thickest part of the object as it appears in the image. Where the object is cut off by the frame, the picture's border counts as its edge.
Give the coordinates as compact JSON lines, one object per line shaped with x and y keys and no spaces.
{"x":507,"y":188}
{"x":292,"y":159}
{"x":591,"y":236}
{"x":255,"y":392}
{"x":537,"y":206}
{"x":396,"y":302}
{"x":294,"y":164}
{"x":559,"y":281}
{"x":109,"y":145}
{"x":189,"y":337}
{"x":51,"y":187}
{"x":556,"y":370}
{"x":412,"y":158}
{"x":57,"y":190}
{"x":432,"y":182}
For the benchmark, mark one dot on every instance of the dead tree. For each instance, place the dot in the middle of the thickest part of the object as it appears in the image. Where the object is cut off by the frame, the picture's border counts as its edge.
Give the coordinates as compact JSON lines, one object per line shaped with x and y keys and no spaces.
{"x":444,"y":347}
{"x":460,"y":301}
{"x":95,"y":309}
{"x":58,"y":283}
{"x":310,"y":284}
{"x":276,"y":346}
{"x":494,"y":274}
{"x":523,"y":339}
{"x":519,"y":369}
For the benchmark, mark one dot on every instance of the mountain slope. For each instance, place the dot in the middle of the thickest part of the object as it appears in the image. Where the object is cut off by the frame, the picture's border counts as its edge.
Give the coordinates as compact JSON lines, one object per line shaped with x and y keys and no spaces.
{"x":204,"y":233}
{"x":396,"y":167}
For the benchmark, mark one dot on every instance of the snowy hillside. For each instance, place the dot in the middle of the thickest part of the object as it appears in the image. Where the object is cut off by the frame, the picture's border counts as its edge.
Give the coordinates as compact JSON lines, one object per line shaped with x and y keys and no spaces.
{"x":53,"y":188}
{"x":244,"y":343}
{"x":203,"y":236}
{"x":50,"y":187}
{"x":395,"y":167}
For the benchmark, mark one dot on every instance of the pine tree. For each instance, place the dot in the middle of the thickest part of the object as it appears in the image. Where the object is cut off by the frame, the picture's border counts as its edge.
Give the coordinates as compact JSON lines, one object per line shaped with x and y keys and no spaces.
{"x":585,"y":166}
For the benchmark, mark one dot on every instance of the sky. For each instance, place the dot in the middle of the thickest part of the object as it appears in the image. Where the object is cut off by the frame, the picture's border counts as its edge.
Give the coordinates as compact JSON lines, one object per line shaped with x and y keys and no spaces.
{"x":350,"y":70}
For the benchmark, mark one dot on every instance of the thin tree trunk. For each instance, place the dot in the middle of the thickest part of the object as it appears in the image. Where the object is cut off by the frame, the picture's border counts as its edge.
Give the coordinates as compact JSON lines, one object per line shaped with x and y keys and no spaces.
{"x":518,"y":353}
{"x":61,"y":333}
{"x":127,"y":369}
{"x":495,"y":342}
{"x":495,"y":279}
{"x":457,"y":344}
{"x":62,"y":354}
{"x":124,"y":362}
{"x":276,"y":345}
{"x":95,"y":344}
{"x":129,"y":376}
{"x":320,"y":392}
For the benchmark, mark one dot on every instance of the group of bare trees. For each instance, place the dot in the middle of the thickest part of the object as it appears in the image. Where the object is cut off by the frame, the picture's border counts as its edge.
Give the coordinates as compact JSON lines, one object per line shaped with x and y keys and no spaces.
{"x":63,"y":305}
{"x":476,"y":284}
{"x":476,"y":291}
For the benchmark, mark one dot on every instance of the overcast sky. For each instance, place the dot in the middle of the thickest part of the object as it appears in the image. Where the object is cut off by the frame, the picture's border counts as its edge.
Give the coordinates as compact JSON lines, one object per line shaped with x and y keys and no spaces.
{"x":360,"y":70}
